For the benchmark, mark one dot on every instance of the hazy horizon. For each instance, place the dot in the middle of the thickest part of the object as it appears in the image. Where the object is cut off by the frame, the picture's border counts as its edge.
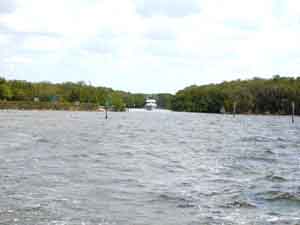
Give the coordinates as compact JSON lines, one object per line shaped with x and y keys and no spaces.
{"x":148,"y":46}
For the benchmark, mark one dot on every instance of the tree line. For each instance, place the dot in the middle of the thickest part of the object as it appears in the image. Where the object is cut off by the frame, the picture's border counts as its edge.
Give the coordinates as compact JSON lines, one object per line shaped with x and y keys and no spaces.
{"x":257,"y":95}
{"x":79,"y":92}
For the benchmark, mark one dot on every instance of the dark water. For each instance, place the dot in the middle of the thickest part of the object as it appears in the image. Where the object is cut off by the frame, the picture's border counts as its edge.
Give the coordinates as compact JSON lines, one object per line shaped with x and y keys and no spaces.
{"x":141,"y":168}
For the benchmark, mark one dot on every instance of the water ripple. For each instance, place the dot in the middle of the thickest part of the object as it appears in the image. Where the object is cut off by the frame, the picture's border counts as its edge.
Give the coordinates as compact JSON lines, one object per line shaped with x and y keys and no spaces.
{"x":140,"y":168}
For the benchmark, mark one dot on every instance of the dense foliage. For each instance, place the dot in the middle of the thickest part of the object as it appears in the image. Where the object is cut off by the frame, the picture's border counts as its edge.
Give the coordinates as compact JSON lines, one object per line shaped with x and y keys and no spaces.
{"x":16,"y":90}
{"x":65,"y":93}
{"x":250,"y":96}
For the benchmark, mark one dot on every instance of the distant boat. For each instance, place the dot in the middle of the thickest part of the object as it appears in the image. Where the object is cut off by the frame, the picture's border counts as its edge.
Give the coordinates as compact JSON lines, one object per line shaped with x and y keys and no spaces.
{"x":150,"y":104}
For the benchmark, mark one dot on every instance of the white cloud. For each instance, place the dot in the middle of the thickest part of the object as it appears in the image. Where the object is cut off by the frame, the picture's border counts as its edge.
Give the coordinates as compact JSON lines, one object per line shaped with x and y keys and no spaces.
{"x":41,"y":43}
{"x":171,"y":8}
{"x":73,"y":17}
{"x":4,"y":39}
{"x":130,"y":43}
{"x":7,"y":6}
{"x":18,"y":60}
{"x":254,"y":11}
{"x":160,"y":28}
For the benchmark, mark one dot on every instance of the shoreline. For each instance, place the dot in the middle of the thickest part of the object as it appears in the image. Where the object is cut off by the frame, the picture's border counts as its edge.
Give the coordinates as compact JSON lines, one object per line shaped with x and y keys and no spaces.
{"x":50,"y":106}
{"x":137,"y":110}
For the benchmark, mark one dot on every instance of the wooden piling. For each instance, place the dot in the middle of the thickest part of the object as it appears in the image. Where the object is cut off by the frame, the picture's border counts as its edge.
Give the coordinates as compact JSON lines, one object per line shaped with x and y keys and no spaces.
{"x":106,"y":114}
{"x":107,"y":106}
{"x":293,"y":112}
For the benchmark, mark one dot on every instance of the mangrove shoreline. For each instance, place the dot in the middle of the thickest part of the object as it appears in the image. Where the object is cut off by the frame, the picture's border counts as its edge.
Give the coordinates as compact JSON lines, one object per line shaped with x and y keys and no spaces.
{"x":256,"y":96}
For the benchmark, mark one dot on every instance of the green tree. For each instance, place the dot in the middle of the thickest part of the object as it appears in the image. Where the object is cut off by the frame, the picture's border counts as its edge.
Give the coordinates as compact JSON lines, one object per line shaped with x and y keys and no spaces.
{"x":5,"y":92}
{"x":117,"y":102}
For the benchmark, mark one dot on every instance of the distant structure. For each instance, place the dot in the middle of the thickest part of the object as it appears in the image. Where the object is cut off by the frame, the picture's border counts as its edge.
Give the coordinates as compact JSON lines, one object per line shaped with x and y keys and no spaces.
{"x":150,"y":104}
{"x":234,"y":109}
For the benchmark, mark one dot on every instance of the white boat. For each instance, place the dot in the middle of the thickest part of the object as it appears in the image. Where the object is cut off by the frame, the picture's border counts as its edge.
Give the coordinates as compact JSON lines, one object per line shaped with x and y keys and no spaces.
{"x":150,"y":104}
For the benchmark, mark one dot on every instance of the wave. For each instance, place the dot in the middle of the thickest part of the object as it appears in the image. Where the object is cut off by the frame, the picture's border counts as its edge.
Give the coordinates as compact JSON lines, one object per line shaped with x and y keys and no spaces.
{"x":269,"y":152}
{"x":275,"y":178}
{"x":279,"y":196}
{"x":262,"y":139}
{"x":43,"y":140}
{"x":258,"y":158}
{"x":82,"y":155}
{"x":240,"y":204}
{"x":183,"y":201}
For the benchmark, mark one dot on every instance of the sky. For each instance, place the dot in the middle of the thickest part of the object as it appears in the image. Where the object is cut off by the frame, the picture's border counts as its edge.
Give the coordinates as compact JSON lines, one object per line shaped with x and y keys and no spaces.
{"x":148,"y":46}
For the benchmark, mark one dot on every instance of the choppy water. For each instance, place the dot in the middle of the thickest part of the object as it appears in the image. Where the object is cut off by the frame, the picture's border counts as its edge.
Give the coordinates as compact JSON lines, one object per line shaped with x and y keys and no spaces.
{"x":148,"y":168}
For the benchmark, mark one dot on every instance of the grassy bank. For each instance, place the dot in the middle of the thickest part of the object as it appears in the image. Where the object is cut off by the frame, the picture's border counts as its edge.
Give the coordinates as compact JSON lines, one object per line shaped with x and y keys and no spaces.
{"x":30,"y":105}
